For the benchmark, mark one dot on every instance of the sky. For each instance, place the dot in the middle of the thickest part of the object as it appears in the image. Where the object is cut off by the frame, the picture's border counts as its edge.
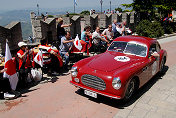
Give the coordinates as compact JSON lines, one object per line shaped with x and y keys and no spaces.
{"x":58,"y":4}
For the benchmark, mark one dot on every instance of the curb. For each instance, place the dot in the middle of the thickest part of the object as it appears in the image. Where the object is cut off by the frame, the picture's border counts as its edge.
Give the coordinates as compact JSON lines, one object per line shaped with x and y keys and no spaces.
{"x":165,"y":36}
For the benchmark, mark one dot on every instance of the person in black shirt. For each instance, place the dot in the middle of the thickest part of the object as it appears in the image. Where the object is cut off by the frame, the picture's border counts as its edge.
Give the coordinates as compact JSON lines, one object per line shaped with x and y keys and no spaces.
{"x":60,"y":29}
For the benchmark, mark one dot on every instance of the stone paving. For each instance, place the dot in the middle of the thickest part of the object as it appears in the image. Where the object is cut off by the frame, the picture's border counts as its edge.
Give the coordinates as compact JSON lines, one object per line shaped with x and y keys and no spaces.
{"x":159,"y":101}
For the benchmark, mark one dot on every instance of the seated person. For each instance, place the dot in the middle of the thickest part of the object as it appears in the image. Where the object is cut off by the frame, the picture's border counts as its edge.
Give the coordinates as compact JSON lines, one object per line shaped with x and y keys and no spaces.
{"x":97,"y":38}
{"x":24,"y":59}
{"x":108,"y":33}
{"x":50,"y":58}
{"x":5,"y":87}
{"x":120,"y":29}
{"x":65,"y":48}
{"x":86,"y":34}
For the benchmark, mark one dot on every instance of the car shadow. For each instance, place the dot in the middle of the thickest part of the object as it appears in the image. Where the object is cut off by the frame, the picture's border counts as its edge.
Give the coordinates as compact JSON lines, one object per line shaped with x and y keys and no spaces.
{"x":119,"y":103}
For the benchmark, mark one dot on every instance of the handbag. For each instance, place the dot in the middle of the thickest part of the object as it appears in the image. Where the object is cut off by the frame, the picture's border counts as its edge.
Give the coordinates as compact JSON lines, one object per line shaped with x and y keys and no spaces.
{"x":36,"y":75}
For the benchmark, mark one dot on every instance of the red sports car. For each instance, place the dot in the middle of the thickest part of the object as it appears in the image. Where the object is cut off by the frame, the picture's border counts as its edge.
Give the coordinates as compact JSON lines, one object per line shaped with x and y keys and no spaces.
{"x":128,"y":63}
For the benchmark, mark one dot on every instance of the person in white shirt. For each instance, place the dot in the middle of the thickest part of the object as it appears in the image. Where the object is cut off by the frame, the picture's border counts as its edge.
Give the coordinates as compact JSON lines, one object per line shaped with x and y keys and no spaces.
{"x":108,"y":33}
{"x":120,"y":29}
{"x":97,"y":38}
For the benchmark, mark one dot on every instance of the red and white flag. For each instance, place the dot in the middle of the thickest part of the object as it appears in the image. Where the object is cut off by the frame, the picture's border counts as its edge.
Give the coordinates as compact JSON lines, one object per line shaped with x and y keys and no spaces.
{"x":11,"y":68}
{"x":39,"y":58}
{"x":77,"y":43}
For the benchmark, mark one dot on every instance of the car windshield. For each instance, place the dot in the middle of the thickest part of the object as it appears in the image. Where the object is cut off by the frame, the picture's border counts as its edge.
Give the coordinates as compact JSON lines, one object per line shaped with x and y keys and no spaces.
{"x":132,"y":48}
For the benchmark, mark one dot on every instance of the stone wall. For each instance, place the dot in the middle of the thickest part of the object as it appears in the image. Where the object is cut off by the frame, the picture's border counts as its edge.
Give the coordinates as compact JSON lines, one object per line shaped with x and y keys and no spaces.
{"x":13,"y":33}
{"x":41,"y":27}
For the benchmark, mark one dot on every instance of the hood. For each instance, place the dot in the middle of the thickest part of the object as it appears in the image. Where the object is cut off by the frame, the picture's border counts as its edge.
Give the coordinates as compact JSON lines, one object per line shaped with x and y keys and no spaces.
{"x":110,"y":61}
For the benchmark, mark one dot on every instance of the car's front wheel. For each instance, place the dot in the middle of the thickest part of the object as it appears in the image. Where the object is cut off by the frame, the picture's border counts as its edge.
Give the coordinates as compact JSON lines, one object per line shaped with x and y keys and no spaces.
{"x":162,"y":65}
{"x":130,"y":89}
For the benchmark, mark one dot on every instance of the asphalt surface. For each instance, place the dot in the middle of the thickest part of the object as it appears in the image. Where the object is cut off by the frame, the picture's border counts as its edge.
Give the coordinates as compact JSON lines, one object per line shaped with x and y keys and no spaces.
{"x":54,"y":97}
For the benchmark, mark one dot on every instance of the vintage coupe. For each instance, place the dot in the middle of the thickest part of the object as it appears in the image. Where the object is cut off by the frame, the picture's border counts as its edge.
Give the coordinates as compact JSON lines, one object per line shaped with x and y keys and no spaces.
{"x":128,"y":63}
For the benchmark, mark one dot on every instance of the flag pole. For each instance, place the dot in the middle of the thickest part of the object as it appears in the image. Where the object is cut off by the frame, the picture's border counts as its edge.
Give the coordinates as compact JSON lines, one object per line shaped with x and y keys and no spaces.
{"x":74,"y":5}
{"x":42,"y":64}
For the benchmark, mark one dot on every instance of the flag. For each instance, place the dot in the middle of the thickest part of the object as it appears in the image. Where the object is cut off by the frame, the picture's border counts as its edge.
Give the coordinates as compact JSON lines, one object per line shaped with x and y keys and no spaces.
{"x":77,"y":43}
{"x":11,"y":69}
{"x":75,"y":2}
{"x":39,"y":58}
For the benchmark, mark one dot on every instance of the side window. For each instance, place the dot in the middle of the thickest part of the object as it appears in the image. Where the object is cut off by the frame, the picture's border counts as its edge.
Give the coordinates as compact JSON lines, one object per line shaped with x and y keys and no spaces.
{"x":152,"y":49}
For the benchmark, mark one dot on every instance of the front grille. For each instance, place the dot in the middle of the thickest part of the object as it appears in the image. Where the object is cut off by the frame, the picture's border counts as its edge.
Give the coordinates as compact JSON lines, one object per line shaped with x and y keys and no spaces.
{"x":93,"y":82}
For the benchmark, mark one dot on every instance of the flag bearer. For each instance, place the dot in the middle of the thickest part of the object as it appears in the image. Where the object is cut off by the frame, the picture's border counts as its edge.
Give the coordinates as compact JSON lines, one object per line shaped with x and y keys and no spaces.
{"x":23,"y":57}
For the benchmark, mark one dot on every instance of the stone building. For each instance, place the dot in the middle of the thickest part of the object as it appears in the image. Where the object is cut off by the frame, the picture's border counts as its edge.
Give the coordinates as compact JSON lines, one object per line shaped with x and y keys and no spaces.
{"x":13,"y":33}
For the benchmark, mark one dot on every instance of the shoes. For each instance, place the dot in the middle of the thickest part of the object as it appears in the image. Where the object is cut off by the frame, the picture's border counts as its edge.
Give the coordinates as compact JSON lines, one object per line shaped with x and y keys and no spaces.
{"x":16,"y":93}
{"x":49,"y":74}
{"x":55,"y":74}
{"x":8,"y":96}
{"x":11,"y":95}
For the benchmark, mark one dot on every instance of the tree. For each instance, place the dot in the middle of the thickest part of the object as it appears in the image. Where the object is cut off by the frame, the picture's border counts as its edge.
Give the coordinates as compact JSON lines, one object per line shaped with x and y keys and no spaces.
{"x":86,"y":12}
{"x":118,"y":9}
{"x":165,"y":6}
{"x":150,"y":6}
{"x":142,"y":6}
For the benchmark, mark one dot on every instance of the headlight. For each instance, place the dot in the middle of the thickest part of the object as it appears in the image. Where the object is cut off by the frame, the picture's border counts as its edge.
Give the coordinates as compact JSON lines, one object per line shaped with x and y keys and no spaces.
{"x":74,"y":71}
{"x":116,"y":83}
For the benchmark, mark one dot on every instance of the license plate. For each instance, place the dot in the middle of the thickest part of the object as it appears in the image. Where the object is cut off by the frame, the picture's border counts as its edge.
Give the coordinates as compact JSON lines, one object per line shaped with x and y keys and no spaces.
{"x":89,"y":93}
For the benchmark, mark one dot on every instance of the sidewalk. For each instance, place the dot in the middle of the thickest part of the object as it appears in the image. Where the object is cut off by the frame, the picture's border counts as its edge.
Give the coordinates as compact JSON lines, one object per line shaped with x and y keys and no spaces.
{"x":169,"y":38}
{"x":159,"y":101}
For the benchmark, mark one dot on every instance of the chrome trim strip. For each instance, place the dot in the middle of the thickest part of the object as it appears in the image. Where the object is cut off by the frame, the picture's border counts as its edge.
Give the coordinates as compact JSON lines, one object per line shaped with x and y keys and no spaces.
{"x":95,"y":91}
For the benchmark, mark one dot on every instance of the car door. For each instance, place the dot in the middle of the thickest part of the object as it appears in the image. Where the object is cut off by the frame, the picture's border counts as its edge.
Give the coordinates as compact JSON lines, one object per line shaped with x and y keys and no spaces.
{"x":153,"y":61}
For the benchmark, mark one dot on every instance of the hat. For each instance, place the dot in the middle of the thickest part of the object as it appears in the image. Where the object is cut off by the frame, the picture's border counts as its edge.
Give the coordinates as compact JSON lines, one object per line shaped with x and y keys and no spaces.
{"x":59,"y":20}
{"x":20,"y":44}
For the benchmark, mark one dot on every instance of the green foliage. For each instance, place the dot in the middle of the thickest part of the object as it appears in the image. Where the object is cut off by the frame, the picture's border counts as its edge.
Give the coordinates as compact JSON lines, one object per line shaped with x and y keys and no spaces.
{"x":169,"y":29}
{"x":86,"y":12}
{"x":173,"y":25}
{"x":118,"y":9}
{"x":126,"y":10}
{"x":72,"y":14}
{"x":127,"y":5}
{"x":149,"y":29}
{"x":150,"y":6}
{"x":50,"y":16}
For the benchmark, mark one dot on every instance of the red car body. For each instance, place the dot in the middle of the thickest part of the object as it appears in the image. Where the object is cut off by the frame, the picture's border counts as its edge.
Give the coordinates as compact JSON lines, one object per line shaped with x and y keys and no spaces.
{"x":102,"y":73}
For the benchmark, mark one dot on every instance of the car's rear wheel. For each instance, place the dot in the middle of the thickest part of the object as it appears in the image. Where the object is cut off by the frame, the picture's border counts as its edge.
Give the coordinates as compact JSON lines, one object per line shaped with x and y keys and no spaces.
{"x":130,"y":89}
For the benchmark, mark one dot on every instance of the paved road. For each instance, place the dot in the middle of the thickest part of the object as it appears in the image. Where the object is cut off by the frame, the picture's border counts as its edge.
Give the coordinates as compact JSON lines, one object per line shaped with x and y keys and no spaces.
{"x":55,"y":97}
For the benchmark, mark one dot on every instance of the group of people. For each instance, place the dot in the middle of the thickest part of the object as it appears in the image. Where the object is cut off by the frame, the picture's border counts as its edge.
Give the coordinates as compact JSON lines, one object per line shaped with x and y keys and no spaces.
{"x":22,"y":66}
{"x":113,"y":31}
{"x":24,"y":61}
{"x":96,"y":38}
